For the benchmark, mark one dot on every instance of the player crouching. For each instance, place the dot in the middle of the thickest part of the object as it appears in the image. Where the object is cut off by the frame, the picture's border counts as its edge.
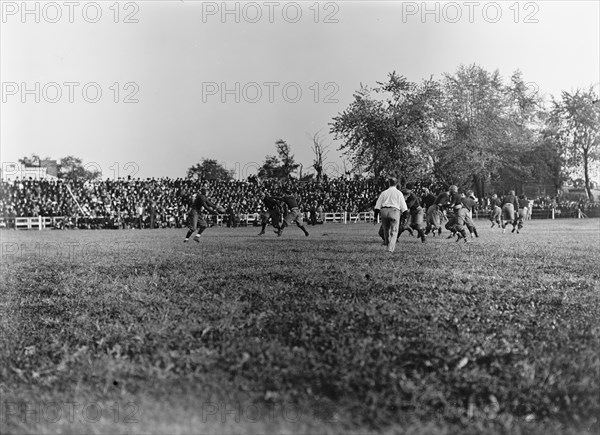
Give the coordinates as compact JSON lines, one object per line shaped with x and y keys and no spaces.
{"x":293,"y":215}
{"x":272,"y":211}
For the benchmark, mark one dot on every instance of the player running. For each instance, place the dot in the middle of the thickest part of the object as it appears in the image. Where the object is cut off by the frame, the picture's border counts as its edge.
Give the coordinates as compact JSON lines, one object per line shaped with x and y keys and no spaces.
{"x":197,"y":218}
{"x":522,"y":215}
{"x":272,"y":211}
{"x":435,"y":213}
{"x":469,"y":203}
{"x":455,"y":221}
{"x":414,"y":220}
{"x":509,"y":205}
{"x":293,"y":215}
{"x":495,"y":205}
{"x":427,"y":200}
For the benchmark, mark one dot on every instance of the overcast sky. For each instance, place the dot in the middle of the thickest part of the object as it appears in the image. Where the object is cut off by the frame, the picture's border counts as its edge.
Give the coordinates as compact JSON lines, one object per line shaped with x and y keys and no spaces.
{"x":291,"y":66}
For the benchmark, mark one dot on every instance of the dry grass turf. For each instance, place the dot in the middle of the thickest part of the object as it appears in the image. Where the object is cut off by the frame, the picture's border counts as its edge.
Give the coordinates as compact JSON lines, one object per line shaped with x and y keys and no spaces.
{"x":136,"y":332}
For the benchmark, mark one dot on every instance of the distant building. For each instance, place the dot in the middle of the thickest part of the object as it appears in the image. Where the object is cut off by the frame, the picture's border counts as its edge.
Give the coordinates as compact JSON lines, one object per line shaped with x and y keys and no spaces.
{"x":17,"y":171}
{"x":51,"y":167}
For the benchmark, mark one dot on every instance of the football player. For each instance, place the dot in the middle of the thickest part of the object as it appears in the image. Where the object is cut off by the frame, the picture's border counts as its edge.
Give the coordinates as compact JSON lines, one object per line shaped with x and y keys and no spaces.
{"x":272,"y":211}
{"x":197,"y":219}
{"x":293,"y":215}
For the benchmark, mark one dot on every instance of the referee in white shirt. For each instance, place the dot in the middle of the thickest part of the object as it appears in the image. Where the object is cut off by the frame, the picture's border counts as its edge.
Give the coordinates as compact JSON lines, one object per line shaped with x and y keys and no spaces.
{"x":390,"y":205}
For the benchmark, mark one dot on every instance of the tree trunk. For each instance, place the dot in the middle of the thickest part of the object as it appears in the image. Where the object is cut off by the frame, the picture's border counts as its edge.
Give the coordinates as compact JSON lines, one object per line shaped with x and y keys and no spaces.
{"x":482,"y":193}
{"x":586,"y":174}
{"x":377,"y":172}
{"x":478,"y":185}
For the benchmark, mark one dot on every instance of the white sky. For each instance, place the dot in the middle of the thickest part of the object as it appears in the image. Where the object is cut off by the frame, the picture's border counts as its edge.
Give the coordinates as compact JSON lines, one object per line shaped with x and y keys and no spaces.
{"x":177,"y":52}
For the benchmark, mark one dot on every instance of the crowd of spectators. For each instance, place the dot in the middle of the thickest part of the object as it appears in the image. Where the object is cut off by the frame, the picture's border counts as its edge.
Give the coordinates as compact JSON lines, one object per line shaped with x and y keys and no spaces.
{"x":164,"y":202}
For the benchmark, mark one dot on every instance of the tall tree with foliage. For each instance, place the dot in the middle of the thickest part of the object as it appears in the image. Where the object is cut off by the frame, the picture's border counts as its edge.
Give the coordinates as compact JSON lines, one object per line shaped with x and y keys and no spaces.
{"x":487,"y":127}
{"x":67,"y":168}
{"x":392,"y":128}
{"x":576,"y":117}
{"x":271,"y":168}
{"x":72,"y":168}
{"x":362,"y":128}
{"x":281,"y":166}
{"x":545,"y":162}
{"x":31,"y":161}
{"x":210,"y":169}
{"x":288,"y":163}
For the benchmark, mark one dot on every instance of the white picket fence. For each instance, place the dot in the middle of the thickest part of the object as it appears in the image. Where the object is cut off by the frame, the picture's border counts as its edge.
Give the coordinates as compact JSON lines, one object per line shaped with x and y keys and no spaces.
{"x":46,"y":222}
{"x":35,"y":223}
{"x":338,"y":217}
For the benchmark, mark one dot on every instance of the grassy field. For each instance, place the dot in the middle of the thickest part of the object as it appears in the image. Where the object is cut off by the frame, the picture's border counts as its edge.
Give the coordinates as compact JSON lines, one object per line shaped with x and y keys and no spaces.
{"x":136,"y":332}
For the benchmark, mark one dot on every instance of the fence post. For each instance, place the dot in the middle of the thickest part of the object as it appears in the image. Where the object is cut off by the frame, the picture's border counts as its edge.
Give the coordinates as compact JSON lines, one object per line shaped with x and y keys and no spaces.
{"x":552,"y":213}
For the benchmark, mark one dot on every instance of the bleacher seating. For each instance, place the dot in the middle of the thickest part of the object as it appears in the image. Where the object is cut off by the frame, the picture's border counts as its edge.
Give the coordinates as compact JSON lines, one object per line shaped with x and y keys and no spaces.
{"x":165,"y":202}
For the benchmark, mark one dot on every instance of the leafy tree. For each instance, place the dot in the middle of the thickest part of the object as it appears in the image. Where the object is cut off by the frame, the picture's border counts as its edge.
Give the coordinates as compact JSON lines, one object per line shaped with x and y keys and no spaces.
{"x":280,"y":166}
{"x":32,"y":161}
{"x":362,"y":128}
{"x":416,"y":118}
{"x":72,"y":168}
{"x":67,"y":168}
{"x":546,"y":162}
{"x":576,"y":118}
{"x":271,"y":168}
{"x":392,"y":128}
{"x":486,"y":128}
{"x":288,"y":164}
{"x":210,"y":169}
{"x":473,"y":104}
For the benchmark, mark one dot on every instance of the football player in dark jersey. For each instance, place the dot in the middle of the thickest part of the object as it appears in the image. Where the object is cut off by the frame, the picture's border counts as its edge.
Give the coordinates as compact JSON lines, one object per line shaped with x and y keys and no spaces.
{"x":293,"y":215}
{"x":197,"y":218}
{"x":272,"y":211}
